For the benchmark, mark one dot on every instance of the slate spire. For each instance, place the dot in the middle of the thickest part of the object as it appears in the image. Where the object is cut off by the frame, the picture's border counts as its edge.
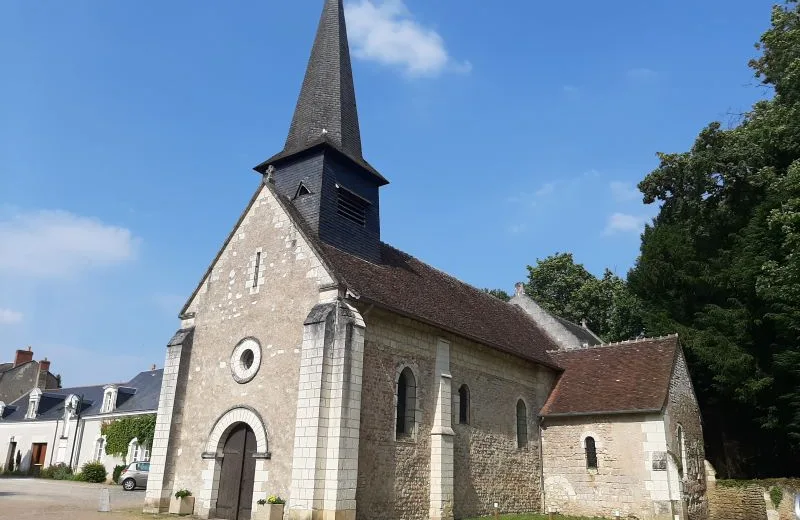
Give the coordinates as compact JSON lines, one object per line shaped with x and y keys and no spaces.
{"x":326,"y":108}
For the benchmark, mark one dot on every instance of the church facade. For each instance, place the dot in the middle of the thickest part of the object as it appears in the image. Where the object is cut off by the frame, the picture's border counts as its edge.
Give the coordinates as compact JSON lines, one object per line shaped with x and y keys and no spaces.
{"x":317,"y":363}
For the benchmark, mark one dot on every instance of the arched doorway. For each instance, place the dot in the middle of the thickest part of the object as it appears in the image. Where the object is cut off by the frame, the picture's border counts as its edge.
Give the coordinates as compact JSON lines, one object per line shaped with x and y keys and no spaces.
{"x":235,"y":499}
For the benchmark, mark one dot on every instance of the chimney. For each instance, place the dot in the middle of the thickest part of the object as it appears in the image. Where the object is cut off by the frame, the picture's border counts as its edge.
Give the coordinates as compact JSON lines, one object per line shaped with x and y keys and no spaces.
{"x":153,"y":368}
{"x":44,"y":365}
{"x":23,"y":356}
{"x":519,"y":288}
{"x":583,"y":323}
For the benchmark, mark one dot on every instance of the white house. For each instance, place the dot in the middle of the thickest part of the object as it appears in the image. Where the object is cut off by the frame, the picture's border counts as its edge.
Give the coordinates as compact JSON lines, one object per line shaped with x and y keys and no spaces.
{"x":62,"y":426}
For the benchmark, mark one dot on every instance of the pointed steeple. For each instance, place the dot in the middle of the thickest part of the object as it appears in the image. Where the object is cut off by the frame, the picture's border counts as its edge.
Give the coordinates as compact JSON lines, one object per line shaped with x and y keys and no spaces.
{"x":326,"y":108}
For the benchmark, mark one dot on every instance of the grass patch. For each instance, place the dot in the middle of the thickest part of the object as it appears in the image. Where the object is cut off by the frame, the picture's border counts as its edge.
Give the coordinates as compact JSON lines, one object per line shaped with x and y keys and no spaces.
{"x":767,"y":483}
{"x":530,"y":516}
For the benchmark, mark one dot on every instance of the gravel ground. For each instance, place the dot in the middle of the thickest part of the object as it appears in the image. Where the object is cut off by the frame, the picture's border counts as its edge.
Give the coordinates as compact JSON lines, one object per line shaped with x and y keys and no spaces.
{"x":29,"y":499}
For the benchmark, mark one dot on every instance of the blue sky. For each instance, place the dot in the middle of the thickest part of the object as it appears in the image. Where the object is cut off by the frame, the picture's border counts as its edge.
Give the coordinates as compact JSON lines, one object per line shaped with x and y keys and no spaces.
{"x":509,"y":130}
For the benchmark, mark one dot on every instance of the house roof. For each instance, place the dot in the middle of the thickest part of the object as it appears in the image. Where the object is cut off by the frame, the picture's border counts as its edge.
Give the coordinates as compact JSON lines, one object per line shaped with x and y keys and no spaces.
{"x":5,"y":367}
{"x":628,"y":377}
{"x":583,"y":334}
{"x":140,"y":394}
{"x":408,"y":286}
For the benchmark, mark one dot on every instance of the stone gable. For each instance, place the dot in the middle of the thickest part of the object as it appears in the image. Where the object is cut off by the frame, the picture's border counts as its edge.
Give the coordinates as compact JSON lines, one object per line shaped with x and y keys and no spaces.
{"x":229,"y":307}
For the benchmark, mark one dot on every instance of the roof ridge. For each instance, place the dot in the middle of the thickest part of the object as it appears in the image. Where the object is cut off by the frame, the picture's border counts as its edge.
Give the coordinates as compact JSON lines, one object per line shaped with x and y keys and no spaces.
{"x":614,"y":344}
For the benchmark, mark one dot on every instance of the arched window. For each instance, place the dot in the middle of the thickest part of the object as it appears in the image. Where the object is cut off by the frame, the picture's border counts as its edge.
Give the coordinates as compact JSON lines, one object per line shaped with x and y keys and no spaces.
{"x":406,"y":403}
{"x":463,"y":405}
{"x":100,"y":449}
{"x":133,"y":451}
{"x":591,"y":452}
{"x":522,"y":424}
{"x":681,"y":451}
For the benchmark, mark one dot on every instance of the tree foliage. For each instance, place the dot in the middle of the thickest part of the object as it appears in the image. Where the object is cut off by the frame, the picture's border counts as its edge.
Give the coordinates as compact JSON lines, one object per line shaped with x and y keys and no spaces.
{"x":567,"y":289}
{"x":721,"y":265}
{"x":498,"y":293}
{"x":121,"y":432}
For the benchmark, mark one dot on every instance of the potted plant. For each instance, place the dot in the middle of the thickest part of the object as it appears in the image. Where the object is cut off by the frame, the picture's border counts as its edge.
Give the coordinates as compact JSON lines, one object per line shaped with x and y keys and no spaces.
{"x":270,"y":508}
{"x":182,"y":504}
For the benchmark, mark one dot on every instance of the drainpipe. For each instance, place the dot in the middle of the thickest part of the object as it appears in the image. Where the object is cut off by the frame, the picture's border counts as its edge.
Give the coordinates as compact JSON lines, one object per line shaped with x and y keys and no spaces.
{"x":77,"y":427}
{"x":53,"y":449}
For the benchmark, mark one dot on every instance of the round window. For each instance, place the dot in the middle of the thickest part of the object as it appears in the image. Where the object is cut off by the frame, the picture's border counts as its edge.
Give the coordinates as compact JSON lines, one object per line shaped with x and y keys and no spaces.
{"x":246,"y":360}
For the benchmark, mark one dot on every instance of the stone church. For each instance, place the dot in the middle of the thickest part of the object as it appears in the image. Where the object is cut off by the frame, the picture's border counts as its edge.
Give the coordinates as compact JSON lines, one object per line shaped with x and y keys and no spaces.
{"x":318,"y":363}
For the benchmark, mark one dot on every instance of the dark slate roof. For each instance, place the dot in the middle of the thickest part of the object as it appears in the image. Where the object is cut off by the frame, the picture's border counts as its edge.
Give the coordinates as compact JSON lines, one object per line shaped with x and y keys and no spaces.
{"x":5,"y":367}
{"x":328,"y":98}
{"x":407,"y":286}
{"x":584,"y":335}
{"x":137,"y":395}
{"x":629,"y":377}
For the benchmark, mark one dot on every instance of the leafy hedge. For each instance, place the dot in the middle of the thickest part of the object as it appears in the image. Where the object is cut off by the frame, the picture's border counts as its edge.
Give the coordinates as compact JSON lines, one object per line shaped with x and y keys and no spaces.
{"x":121,"y":432}
{"x":94,"y":472}
{"x":57,"y":472}
{"x":117,"y":472}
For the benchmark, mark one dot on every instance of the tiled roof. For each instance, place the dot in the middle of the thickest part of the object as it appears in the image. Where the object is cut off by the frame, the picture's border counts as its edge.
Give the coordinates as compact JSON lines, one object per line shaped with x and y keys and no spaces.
{"x":626,"y":377}
{"x":139,"y":394}
{"x":5,"y":367}
{"x":405,"y":285}
{"x":584,"y":335}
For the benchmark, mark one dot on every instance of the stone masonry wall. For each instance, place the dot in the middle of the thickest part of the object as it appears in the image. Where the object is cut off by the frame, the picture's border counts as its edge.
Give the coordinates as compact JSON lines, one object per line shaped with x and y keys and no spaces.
{"x":737,"y":503}
{"x":394,"y":475}
{"x":622,"y":481}
{"x":682,"y":409}
{"x":228,"y":309}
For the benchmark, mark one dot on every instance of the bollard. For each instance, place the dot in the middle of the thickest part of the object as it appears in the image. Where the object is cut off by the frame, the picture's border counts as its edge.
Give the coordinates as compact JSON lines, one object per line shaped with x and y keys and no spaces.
{"x":105,"y":501}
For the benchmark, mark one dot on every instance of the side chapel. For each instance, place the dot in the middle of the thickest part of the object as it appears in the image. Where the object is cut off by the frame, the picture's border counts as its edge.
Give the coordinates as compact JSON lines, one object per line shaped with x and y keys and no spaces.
{"x":318,"y":363}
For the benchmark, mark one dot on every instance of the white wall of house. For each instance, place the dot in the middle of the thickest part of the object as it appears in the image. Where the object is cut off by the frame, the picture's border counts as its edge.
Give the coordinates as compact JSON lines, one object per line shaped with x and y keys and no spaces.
{"x":75,"y":444}
{"x":25,"y":435}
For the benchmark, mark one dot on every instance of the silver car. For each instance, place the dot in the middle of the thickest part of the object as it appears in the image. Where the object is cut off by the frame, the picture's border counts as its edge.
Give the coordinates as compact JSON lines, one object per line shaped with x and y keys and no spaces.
{"x":134,"y":475}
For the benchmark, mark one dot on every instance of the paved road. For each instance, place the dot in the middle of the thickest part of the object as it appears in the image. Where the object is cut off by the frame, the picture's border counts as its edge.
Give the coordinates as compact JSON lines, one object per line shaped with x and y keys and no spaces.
{"x":36,"y":499}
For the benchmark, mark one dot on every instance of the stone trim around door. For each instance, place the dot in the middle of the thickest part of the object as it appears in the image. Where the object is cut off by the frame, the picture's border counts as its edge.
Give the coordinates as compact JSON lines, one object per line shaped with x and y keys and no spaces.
{"x":207,"y":500}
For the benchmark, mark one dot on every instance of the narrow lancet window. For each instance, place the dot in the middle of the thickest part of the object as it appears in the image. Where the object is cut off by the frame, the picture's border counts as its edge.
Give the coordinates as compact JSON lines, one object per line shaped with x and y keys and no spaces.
{"x":591,"y":453}
{"x":406,"y":404}
{"x":258,"y":267}
{"x":522,"y":424}
{"x":463,"y":405}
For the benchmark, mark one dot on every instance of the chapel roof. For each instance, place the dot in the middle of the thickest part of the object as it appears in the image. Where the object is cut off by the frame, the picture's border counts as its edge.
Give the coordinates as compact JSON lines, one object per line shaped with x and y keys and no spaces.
{"x":627,"y":377}
{"x":583,"y":334}
{"x":405,"y":285}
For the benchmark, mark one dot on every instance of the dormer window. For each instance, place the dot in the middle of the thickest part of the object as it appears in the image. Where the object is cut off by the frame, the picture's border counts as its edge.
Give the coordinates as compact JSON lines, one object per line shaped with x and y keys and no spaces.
{"x":109,"y":399}
{"x":71,"y":407}
{"x":33,"y":404}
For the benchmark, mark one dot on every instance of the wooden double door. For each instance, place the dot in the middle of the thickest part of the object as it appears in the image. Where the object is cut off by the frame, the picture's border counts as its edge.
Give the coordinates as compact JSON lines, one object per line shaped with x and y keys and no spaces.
{"x":235,"y":497}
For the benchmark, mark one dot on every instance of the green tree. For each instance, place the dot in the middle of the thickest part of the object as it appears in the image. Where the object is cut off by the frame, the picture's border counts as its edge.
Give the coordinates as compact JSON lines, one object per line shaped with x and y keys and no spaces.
{"x":121,"y":432}
{"x":568,"y":290}
{"x":719,"y":265}
{"x":499,"y":294}
{"x":554,"y":282}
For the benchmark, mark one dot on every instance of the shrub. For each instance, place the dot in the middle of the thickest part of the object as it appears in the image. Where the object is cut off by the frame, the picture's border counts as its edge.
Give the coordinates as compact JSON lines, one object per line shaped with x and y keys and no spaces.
{"x":79,"y":477}
{"x":57,"y":472}
{"x":94,"y":472}
{"x":274,"y":499}
{"x":183,"y":493}
{"x":776,"y":495}
{"x":117,"y":473}
{"x":62,"y":472}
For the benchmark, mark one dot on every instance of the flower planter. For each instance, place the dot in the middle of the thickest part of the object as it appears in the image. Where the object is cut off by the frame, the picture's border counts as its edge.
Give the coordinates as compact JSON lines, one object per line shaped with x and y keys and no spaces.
{"x":269,"y":512}
{"x":181,"y":506}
